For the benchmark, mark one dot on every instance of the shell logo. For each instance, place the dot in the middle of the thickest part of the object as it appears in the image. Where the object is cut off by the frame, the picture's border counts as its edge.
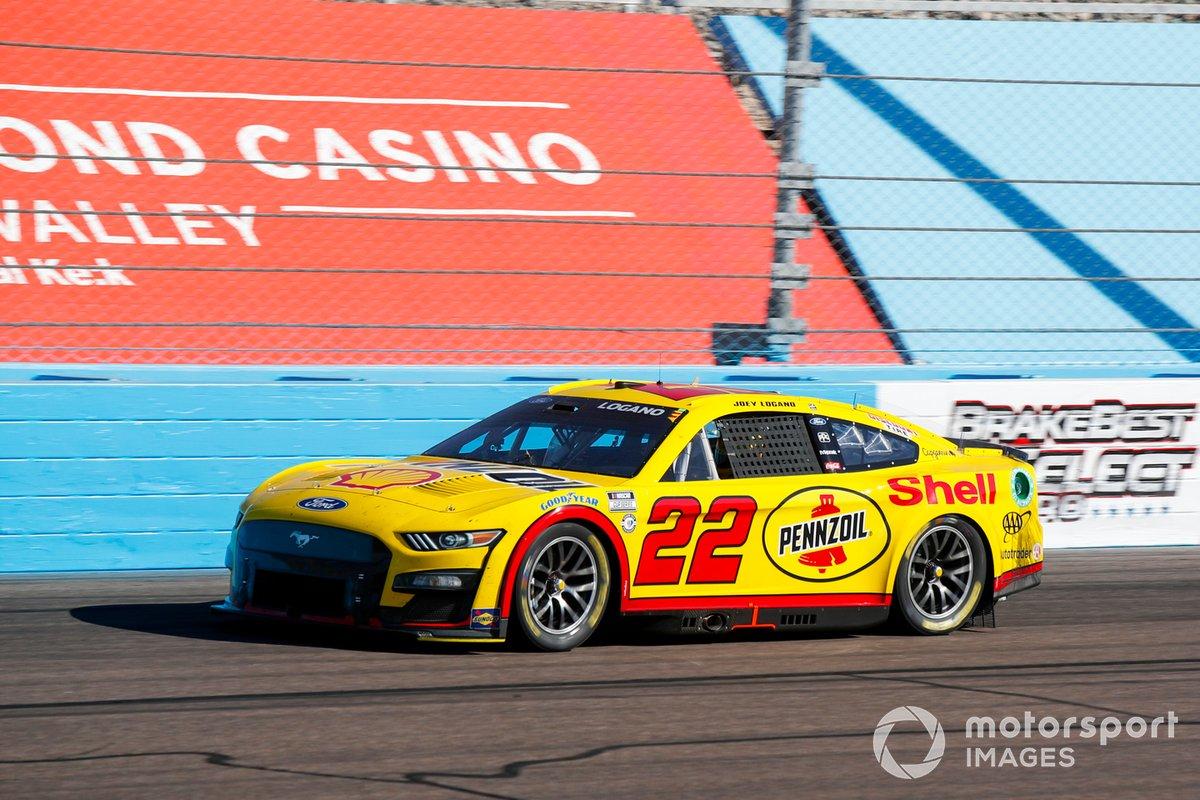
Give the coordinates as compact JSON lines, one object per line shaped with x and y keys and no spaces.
{"x":386,"y":477}
{"x":825,"y":534}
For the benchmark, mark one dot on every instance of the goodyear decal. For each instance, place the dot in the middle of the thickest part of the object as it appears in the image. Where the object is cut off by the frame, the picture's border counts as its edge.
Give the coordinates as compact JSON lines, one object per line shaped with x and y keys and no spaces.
{"x":825,"y":534}
{"x":568,"y":499}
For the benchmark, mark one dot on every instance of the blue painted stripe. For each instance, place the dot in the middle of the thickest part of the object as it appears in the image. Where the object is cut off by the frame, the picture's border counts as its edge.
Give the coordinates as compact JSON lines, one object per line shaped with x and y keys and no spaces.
{"x":83,"y":514}
{"x":1068,"y":248}
{"x":232,"y":438}
{"x":113,"y":551}
{"x":119,"y":400}
{"x":149,"y":477}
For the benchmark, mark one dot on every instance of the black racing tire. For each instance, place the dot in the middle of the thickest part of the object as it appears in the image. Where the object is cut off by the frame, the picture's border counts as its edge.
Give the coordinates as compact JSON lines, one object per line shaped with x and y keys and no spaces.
{"x":941,"y":578}
{"x":562,"y":588}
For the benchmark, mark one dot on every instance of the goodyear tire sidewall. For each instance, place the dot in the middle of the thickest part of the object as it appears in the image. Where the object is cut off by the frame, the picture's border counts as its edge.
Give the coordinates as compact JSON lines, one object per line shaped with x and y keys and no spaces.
{"x":532,"y":631}
{"x":902,"y":594}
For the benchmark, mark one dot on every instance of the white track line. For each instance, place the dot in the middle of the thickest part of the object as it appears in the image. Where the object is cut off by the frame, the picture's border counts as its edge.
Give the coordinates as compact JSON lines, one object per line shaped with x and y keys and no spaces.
{"x":462,"y":212}
{"x":280,"y":98}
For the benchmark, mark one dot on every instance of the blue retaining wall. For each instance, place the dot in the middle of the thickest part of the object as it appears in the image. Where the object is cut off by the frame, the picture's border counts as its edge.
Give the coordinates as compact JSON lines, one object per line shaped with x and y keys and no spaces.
{"x":106,"y":468}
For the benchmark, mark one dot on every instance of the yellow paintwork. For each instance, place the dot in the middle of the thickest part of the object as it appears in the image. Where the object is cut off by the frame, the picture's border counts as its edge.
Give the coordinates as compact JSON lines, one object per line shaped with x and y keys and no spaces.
{"x":476,"y":502}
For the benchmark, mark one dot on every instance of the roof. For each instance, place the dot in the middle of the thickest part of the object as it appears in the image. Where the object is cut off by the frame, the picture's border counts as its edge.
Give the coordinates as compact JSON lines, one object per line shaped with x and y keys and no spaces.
{"x":690,"y":394}
{"x":641,"y":391}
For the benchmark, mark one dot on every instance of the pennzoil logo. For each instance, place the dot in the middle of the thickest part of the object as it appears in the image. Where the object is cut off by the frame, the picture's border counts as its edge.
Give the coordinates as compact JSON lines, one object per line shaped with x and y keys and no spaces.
{"x":825,"y":534}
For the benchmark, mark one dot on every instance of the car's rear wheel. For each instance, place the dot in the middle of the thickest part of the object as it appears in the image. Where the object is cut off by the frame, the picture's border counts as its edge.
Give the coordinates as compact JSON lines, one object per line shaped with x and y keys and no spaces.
{"x":941,"y":577}
{"x":562,"y":587}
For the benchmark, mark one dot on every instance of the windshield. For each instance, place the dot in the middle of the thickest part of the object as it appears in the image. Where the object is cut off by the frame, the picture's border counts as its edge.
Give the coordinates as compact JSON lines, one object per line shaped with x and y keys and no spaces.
{"x":571,"y":433}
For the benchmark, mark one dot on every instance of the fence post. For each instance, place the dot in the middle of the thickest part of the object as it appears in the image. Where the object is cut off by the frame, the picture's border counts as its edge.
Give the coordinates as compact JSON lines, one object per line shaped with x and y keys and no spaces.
{"x":783,"y":327}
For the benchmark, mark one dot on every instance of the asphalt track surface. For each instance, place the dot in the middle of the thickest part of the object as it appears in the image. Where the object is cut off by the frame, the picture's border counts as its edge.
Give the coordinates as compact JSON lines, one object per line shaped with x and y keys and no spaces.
{"x":128,"y":688}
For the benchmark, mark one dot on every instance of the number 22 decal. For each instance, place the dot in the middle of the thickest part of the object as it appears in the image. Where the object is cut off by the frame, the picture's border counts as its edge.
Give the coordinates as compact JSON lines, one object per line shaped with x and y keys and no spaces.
{"x":707,"y":566}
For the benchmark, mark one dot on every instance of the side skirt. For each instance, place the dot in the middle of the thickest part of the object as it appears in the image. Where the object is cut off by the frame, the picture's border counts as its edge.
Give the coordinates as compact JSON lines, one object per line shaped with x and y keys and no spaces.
{"x":807,"y":618}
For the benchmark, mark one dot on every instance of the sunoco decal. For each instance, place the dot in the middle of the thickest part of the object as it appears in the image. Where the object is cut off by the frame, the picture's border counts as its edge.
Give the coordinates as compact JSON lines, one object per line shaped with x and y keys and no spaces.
{"x":825,"y":534}
{"x":484,"y":619}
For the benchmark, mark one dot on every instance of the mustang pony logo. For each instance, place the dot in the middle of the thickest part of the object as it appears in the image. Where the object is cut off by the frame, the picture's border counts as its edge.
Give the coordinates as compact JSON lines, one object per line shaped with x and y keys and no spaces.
{"x":386,"y":477}
{"x":302,"y":540}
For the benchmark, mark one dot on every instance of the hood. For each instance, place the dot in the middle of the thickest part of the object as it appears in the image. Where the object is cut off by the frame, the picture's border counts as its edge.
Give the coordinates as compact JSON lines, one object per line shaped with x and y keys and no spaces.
{"x":432,"y":483}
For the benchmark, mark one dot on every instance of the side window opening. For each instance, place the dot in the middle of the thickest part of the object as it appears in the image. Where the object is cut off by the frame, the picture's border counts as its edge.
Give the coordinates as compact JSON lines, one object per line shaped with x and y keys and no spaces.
{"x":695,"y":463}
{"x":863,"y":447}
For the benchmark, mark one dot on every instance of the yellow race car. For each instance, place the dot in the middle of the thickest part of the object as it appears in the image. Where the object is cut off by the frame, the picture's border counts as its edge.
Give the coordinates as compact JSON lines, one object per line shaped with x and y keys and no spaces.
{"x":710,"y":509}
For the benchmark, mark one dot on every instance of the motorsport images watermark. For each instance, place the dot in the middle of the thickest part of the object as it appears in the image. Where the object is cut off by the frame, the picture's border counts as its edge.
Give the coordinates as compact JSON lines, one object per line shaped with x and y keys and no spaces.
{"x":1037,"y":741}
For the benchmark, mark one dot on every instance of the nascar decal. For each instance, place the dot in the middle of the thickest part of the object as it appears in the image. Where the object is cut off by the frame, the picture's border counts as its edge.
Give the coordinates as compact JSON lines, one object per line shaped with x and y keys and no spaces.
{"x":825,"y":534}
{"x":509,"y":473}
{"x":386,"y":477}
{"x":623,"y":500}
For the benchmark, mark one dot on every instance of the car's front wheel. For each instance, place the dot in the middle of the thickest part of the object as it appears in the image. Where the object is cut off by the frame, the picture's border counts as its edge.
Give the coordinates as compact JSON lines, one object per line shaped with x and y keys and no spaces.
{"x":941,"y":577}
{"x":562,"y":587}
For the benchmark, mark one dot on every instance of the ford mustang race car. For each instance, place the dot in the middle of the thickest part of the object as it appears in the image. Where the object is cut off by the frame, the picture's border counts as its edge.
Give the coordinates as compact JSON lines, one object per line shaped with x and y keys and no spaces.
{"x":709,"y":509}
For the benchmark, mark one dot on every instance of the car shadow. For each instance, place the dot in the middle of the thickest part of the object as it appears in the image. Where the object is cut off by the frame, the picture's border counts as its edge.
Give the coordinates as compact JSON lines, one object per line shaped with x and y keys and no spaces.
{"x":198,"y":621}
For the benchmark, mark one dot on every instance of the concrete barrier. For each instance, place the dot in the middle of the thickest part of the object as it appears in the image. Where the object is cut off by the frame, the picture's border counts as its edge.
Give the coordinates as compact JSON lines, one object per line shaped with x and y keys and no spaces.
{"x":105,"y":468}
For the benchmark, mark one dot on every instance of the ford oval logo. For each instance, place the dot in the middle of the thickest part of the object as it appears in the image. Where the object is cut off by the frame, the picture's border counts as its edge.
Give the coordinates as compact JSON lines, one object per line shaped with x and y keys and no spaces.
{"x":322,"y":503}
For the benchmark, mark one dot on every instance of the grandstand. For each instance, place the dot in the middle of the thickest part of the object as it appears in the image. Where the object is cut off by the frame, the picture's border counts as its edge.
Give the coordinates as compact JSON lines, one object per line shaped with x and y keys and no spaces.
{"x":1040,"y":173}
{"x":485,"y":244}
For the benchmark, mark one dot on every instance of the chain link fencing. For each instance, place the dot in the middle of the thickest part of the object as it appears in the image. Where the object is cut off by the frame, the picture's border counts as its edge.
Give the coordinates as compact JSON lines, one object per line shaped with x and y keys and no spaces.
{"x":364,"y":183}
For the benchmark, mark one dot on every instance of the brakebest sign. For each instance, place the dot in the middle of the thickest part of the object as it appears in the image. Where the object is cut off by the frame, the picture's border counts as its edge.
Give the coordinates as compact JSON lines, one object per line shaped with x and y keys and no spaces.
{"x":1115,"y":460}
{"x":111,"y":161}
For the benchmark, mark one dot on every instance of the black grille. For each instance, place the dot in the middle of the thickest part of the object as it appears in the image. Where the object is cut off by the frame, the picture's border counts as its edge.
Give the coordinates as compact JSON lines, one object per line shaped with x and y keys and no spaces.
{"x":765,"y":445}
{"x":311,"y":570}
{"x":299,"y":594}
{"x":432,"y":607}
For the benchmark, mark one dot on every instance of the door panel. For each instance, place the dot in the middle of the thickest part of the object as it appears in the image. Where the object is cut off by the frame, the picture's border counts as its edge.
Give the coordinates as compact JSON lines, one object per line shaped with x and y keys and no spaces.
{"x":762,"y":536}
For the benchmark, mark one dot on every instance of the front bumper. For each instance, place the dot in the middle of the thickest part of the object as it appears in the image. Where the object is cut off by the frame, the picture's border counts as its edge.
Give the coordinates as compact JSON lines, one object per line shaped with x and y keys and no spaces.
{"x":304,"y":572}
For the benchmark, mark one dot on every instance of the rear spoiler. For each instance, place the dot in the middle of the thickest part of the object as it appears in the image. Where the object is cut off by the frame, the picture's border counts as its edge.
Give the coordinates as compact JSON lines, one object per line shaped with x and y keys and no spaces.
{"x":1008,"y":450}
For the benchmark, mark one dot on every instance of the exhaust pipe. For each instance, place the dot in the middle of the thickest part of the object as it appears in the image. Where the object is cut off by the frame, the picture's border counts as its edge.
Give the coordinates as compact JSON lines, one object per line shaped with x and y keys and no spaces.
{"x":714,"y":623}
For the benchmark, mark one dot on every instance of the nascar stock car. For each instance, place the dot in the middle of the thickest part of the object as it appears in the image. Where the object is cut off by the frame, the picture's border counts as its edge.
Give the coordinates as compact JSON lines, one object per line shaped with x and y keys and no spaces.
{"x":710,"y":509}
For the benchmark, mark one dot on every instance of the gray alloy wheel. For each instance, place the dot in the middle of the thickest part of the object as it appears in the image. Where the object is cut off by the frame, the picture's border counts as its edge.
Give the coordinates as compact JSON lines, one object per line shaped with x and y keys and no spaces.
{"x":941,"y":577}
{"x":562,"y":588}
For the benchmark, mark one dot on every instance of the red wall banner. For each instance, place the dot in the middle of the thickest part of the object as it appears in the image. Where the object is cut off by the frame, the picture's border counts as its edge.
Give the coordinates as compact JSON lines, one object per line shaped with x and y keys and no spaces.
{"x":168,"y":200}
